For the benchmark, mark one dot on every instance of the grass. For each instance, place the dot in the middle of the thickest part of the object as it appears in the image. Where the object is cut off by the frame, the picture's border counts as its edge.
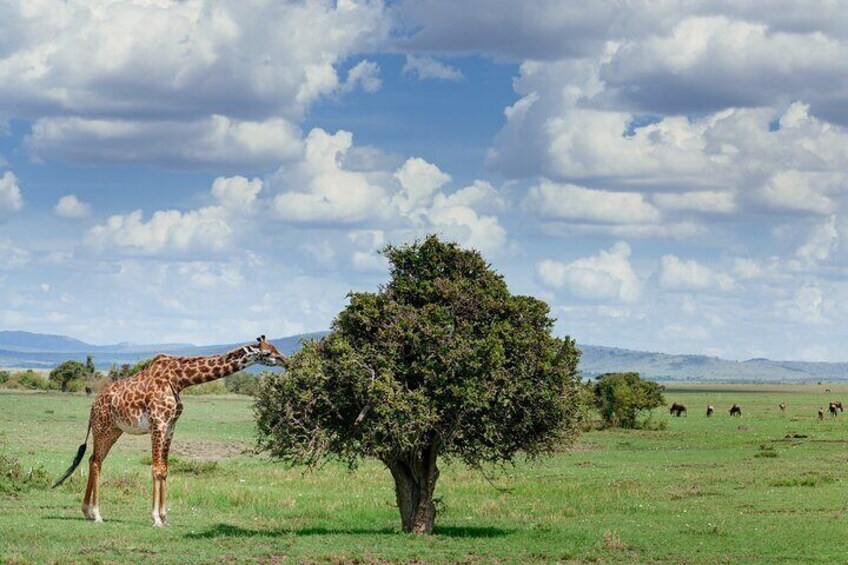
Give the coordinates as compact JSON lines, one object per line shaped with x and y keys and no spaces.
{"x":766,"y":488}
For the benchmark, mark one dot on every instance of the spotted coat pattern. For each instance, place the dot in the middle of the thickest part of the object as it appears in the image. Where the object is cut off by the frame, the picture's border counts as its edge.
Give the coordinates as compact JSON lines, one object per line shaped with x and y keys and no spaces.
{"x":149,"y":403}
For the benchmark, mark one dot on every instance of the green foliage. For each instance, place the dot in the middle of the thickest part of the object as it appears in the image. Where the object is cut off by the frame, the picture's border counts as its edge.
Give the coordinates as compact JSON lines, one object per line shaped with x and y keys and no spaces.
{"x":23,"y":380}
{"x":243,"y":383}
{"x":622,"y":397}
{"x":126,"y":370}
{"x":69,"y":376}
{"x":212,"y":387}
{"x":15,"y":477}
{"x":442,"y":356}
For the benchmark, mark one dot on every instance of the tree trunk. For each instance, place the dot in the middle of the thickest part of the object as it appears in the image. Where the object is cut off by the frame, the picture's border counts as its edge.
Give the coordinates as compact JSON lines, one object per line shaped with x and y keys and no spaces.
{"x":415,"y":476}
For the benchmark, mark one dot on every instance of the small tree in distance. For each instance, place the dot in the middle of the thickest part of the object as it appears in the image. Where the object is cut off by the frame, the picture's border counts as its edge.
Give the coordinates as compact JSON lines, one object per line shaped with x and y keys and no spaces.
{"x":442,"y":362}
{"x":622,"y":397}
{"x":69,"y":376}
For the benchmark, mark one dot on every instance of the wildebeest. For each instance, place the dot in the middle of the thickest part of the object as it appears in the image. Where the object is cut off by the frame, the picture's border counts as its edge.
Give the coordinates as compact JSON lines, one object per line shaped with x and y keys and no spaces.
{"x":736,"y":410}
{"x":821,"y":413}
{"x":835,"y":408}
{"x":783,"y":407}
{"x":710,"y":410}
{"x":677,"y":409}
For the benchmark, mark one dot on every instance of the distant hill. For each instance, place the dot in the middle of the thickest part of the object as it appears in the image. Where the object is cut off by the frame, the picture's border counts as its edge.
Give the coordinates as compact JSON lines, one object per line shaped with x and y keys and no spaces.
{"x":24,"y":349}
{"x":663,"y":366}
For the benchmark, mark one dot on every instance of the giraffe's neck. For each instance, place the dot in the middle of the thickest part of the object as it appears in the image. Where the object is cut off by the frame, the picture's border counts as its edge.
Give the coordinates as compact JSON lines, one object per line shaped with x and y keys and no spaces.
{"x":205,"y":369}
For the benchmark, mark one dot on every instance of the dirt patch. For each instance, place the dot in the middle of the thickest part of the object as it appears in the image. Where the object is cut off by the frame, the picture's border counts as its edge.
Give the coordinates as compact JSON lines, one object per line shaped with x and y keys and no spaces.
{"x":207,"y":450}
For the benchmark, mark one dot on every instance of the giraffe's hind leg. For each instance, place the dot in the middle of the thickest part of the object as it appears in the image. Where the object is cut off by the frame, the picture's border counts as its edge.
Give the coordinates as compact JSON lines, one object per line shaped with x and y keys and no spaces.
{"x":103,"y":442}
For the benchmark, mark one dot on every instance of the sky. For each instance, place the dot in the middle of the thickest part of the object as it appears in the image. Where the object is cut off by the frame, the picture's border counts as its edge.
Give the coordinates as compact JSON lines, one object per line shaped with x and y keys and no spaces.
{"x":668,"y":176}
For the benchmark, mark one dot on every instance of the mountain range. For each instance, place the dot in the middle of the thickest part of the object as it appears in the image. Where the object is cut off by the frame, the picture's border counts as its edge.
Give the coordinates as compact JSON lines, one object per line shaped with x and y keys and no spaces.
{"x":25,"y":349}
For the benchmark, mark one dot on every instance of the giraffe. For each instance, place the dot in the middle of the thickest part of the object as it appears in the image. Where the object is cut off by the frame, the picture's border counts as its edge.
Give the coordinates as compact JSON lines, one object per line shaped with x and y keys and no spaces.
{"x":149,"y":403}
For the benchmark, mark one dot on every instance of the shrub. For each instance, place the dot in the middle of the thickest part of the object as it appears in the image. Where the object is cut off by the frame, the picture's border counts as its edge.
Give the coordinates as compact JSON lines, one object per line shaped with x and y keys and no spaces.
{"x":622,"y":397}
{"x":212,"y":387}
{"x":243,"y":383}
{"x":15,"y":477}
{"x":26,"y":380}
{"x":69,"y":376}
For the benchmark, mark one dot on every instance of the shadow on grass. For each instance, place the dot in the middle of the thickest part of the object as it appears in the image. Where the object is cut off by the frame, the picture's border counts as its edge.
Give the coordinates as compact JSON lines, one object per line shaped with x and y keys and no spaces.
{"x":228,"y":530}
{"x":82,"y":519}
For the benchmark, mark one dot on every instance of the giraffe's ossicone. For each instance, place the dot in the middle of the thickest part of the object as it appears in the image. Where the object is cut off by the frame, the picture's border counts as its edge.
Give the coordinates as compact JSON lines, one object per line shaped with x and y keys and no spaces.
{"x":149,"y":403}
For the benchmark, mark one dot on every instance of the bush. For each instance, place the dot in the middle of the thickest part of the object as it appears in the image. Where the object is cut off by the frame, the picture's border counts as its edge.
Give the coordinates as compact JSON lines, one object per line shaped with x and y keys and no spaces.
{"x":14,"y":477}
{"x":69,"y":376}
{"x":4,"y":376}
{"x":622,"y":397}
{"x":243,"y":383}
{"x":212,"y":387}
{"x":26,"y":380}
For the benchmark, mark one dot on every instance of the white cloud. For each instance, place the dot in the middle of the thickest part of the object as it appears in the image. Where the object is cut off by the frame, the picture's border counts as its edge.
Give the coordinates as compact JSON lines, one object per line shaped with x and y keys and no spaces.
{"x":318,"y":189}
{"x":820,"y":243}
{"x":236,"y":194}
{"x":554,"y":201}
{"x":365,"y":74}
{"x":211,"y":228}
{"x":607,"y":275}
{"x":679,"y":274}
{"x":11,"y":198}
{"x":699,"y":201}
{"x":72,"y":208}
{"x":807,"y":306}
{"x":11,"y":256}
{"x":107,"y":75}
{"x":215,"y":140}
{"x":321,"y":190}
{"x":796,"y":190}
{"x":419,"y":180}
{"x":428,"y":68}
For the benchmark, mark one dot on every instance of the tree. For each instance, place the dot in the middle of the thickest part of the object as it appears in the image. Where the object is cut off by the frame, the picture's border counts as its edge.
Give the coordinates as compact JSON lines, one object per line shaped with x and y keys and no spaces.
{"x":621,"y":397}
{"x":70,"y":376}
{"x":441,"y":362}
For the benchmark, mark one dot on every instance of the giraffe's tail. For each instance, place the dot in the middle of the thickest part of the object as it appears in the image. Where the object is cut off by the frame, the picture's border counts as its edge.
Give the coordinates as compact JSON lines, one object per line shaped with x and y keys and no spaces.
{"x":77,"y":459}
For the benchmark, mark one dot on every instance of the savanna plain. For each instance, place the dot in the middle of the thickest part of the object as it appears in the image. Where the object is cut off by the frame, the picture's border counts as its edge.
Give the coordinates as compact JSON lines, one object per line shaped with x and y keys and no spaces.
{"x":769,"y":487}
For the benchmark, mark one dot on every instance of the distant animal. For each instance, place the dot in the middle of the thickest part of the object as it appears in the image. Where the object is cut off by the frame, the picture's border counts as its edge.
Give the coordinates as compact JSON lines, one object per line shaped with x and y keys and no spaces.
{"x":710,"y":410}
{"x":835,"y":408}
{"x":827,"y":390}
{"x":839,"y":405}
{"x":821,"y":413}
{"x":736,"y":410}
{"x":677,"y":409}
{"x":88,"y":390}
{"x":783,"y":407}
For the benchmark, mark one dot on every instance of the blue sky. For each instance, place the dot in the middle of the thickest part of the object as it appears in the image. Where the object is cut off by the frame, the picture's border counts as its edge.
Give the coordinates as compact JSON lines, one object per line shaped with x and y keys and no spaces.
{"x":668,"y":176}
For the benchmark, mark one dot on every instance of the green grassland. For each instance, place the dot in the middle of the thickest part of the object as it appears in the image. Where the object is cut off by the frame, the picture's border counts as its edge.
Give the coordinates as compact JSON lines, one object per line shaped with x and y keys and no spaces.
{"x":766,"y":488}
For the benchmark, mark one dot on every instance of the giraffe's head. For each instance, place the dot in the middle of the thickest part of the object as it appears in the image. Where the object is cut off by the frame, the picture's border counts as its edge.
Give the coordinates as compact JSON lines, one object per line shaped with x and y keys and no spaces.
{"x":264,"y":353}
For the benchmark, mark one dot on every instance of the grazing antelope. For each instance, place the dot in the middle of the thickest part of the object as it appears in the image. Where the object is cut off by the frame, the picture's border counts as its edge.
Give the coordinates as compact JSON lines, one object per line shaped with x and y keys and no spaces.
{"x":834,"y":408}
{"x":677,"y":409}
{"x":710,"y":410}
{"x":783,"y":407}
{"x":821,"y":413}
{"x":736,"y":410}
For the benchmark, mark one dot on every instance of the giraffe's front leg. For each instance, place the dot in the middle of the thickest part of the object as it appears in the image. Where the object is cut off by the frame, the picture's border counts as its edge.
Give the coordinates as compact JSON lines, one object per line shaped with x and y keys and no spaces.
{"x":159,"y":468}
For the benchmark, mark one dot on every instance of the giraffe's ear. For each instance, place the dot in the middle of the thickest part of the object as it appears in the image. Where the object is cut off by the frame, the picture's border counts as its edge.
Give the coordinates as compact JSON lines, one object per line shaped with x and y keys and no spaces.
{"x":259,"y":339}
{"x":263,"y":337}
